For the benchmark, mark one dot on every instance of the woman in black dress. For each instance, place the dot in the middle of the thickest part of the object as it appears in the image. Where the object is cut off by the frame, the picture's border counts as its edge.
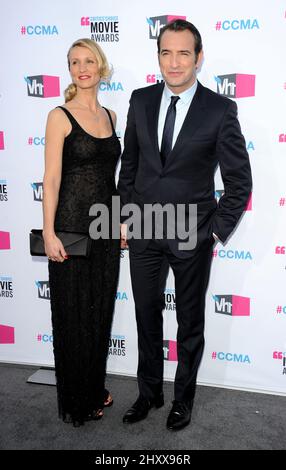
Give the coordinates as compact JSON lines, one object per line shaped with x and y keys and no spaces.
{"x":81,"y":155}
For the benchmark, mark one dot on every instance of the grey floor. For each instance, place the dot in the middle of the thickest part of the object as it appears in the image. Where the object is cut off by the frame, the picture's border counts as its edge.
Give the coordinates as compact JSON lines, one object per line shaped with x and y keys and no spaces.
{"x":222,"y":419}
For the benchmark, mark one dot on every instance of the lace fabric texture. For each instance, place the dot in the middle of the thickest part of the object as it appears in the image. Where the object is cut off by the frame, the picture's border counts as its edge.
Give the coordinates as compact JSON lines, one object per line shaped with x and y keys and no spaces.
{"x":83,"y":290}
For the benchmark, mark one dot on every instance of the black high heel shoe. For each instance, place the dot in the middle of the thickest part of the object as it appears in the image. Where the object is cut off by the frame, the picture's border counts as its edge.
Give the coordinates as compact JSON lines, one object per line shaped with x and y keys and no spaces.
{"x":95,"y":415}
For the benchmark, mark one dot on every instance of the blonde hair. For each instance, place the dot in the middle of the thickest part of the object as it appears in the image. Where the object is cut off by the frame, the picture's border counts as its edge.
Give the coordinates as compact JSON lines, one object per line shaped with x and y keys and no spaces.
{"x":104,"y":68}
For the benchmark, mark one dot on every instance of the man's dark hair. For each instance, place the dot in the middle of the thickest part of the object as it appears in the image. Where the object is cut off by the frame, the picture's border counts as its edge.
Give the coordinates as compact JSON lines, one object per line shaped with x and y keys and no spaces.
{"x":182,"y":25}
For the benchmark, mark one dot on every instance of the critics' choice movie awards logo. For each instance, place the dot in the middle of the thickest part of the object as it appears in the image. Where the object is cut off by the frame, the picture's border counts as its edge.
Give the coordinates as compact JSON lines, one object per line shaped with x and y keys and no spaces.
{"x":6,"y":286}
{"x":157,"y":22}
{"x":43,"y":289}
{"x":37,"y":191}
{"x":39,"y":30}
{"x":170,"y":299}
{"x":5,"y":240}
{"x":3,"y":191}
{"x":231,"y":357}
{"x":236,"y":85}
{"x":43,"y":86}
{"x":1,"y":140}
{"x":233,"y":305}
{"x":170,"y":350}
{"x":281,"y":356}
{"x":117,"y":345}
{"x":102,"y":28}
{"x":237,"y":25}
{"x":7,"y":334}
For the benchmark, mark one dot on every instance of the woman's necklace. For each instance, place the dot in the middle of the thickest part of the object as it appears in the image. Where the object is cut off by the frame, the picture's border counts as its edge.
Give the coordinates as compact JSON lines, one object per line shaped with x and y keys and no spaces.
{"x":86,"y":106}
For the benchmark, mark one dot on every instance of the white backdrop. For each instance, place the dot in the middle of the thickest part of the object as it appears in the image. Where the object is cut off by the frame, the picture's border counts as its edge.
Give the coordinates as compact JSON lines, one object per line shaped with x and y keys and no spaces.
{"x":244,"y":45}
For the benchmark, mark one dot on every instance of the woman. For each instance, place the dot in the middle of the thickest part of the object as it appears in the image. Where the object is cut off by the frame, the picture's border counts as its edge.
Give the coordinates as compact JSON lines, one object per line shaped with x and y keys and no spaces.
{"x":81,"y":154}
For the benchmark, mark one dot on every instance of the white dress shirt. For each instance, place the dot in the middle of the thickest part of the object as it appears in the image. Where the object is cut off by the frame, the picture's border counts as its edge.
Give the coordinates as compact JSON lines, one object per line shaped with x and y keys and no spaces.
{"x":182,"y":107}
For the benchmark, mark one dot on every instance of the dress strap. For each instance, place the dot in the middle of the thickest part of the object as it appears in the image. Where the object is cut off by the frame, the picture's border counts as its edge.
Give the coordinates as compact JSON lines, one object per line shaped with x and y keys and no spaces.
{"x":110,"y":119}
{"x":69,"y":115}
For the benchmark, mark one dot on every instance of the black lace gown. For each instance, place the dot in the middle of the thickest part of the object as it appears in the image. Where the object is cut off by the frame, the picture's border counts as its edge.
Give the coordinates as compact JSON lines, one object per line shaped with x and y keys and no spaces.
{"x":83,"y":290}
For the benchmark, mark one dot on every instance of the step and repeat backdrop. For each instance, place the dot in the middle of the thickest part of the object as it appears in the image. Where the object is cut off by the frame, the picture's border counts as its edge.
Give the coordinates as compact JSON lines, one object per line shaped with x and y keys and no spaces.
{"x":244,"y":46}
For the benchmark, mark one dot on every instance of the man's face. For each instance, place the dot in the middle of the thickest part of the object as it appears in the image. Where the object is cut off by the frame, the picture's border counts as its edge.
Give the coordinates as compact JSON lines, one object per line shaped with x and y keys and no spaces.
{"x":177,"y":60}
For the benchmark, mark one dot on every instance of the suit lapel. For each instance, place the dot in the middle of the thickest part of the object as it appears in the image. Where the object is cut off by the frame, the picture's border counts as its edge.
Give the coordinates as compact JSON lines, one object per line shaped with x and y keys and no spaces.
{"x":152,"y":113}
{"x":193,"y":120}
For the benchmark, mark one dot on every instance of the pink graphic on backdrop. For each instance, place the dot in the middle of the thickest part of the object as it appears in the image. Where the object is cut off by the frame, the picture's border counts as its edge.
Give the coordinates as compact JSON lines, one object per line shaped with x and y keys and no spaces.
{"x":240,"y":306}
{"x":51,"y":86}
{"x":175,"y":17}
{"x":249,"y":203}
{"x":245,"y":85}
{"x":84,"y":21}
{"x":173,"y":355}
{"x":7,"y":334}
{"x":1,"y":140}
{"x":5,"y":241}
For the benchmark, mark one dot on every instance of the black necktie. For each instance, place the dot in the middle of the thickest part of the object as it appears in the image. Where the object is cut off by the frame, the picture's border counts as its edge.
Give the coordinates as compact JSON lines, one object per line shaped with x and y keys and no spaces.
{"x":167,"y":138}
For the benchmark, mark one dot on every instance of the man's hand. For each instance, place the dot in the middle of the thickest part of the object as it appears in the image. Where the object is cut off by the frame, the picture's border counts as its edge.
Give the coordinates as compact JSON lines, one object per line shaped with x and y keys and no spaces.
{"x":123,"y":237}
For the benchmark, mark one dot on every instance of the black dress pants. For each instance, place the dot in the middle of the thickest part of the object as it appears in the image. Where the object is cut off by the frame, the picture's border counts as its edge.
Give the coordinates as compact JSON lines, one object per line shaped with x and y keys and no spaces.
{"x":149,"y":271}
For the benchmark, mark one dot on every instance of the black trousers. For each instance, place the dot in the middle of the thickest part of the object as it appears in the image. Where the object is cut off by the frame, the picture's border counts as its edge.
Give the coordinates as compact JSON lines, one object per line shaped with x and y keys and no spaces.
{"x":149,"y":271}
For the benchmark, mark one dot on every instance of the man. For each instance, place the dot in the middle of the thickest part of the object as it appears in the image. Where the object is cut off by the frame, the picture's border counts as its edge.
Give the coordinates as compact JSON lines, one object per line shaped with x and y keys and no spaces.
{"x":172,"y":149}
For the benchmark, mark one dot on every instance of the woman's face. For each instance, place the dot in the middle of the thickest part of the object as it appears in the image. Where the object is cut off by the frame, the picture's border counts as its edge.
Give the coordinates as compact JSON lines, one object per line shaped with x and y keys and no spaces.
{"x":84,"y":67}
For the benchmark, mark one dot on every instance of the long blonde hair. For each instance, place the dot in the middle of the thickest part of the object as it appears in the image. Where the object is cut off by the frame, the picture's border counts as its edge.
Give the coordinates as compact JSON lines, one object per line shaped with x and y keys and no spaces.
{"x":104,"y":69}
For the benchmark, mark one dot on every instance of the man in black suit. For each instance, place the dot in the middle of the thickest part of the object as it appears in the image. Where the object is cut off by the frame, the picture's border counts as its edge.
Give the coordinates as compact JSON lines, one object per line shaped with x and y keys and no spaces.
{"x":177,"y":134}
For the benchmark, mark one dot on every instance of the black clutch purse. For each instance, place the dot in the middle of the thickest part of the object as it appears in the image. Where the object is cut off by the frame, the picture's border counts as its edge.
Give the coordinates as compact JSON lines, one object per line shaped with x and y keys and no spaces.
{"x":75,"y":244}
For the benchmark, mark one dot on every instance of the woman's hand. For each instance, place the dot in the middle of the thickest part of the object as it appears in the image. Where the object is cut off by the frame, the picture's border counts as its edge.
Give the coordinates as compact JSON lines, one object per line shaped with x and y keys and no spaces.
{"x":54,"y":248}
{"x":123,"y":237}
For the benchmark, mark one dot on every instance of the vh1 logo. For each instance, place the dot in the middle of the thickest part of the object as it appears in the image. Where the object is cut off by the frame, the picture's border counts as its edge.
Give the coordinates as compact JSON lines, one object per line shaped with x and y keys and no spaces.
{"x":43,"y":86}
{"x":236,"y":85}
{"x":7,"y":334}
{"x":43,"y":289}
{"x":233,"y":305}
{"x":5,"y":241}
{"x":170,"y":350}
{"x":158,"y":22}
{"x":37,"y":191}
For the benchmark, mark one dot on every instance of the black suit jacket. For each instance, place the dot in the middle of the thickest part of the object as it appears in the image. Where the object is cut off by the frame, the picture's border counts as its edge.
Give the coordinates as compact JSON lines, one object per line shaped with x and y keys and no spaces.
{"x":210,"y":136}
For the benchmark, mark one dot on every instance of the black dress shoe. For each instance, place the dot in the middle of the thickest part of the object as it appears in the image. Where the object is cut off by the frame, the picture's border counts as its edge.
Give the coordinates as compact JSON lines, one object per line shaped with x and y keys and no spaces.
{"x":180,"y":415}
{"x":141,"y":408}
